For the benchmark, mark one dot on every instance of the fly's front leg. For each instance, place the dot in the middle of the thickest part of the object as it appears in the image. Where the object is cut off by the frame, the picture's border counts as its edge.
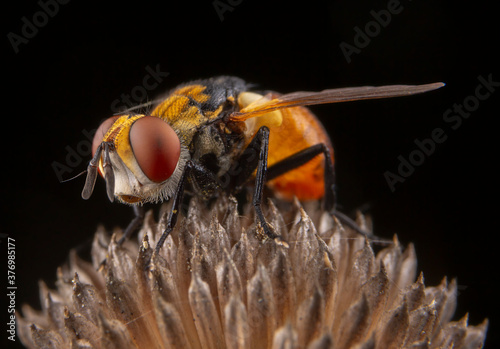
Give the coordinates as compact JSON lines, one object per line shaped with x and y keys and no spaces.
{"x":174,"y":211}
{"x":199,"y":173}
{"x":134,"y":224}
{"x":255,"y":155}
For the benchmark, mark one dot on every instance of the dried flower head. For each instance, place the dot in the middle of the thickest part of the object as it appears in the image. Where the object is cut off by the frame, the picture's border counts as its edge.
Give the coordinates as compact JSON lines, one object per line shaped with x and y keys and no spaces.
{"x":217,"y":285}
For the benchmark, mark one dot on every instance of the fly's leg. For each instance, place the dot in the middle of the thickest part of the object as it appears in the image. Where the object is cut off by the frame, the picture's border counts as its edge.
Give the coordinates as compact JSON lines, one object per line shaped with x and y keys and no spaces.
{"x":329,"y":200}
{"x":176,"y":205}
{"x":198,"y":173}
{"x":262,"y":143}
{"x":302,"y":157}
{"x":255,"y":156}
{"x":133,"y":225}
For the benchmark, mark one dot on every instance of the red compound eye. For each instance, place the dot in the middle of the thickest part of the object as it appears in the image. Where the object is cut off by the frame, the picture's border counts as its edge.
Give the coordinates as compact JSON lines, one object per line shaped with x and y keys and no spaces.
{"x":156,"y":147}
{"x":101,"y":131}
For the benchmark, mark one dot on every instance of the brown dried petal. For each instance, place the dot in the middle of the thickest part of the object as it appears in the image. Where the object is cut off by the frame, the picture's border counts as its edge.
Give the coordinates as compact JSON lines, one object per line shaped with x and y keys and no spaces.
{"x":354,"y":324}
{"x":114,"y":334}
{"x":78,"y":327}
{"x":261,"y":309}
{"x":171,"y":326}
{"x":285,"y":338}
{"x":205,"y":314}
{"x":422,"y":321}
{"x":395,"y":327}
{"x":228,"y":281}
{"x":324,"y":342}
{"x":283,"y":285}
{"x":46,"y":338}
{"x":236,"y":324}
{"x":311,"y":318}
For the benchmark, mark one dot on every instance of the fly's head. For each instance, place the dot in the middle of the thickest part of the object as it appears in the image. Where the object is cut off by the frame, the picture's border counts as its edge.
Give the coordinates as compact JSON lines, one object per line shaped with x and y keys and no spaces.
{"x":140,"y":157}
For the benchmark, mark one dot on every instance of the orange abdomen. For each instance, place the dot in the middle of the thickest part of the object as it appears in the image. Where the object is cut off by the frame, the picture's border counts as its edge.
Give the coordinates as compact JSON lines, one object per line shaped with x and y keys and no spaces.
{"x":299,"y":130}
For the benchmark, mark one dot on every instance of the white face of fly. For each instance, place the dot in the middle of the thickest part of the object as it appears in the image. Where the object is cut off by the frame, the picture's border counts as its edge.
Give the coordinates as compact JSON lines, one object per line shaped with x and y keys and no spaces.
{"x":133,"y":186}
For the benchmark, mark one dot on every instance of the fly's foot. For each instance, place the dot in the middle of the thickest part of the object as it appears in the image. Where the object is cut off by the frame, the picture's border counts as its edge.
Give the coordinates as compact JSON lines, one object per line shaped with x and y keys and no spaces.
{"x":265,"y":231}
{"x":343,"y":219}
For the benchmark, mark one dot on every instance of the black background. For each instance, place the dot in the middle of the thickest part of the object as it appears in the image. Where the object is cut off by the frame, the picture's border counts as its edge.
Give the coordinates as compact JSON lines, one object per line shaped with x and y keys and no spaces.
{"x":65,"y":78}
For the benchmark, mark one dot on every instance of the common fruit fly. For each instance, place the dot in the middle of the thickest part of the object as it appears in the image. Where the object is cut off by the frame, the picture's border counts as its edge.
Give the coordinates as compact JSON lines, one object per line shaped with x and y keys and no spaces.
{"x":216,"y":135}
